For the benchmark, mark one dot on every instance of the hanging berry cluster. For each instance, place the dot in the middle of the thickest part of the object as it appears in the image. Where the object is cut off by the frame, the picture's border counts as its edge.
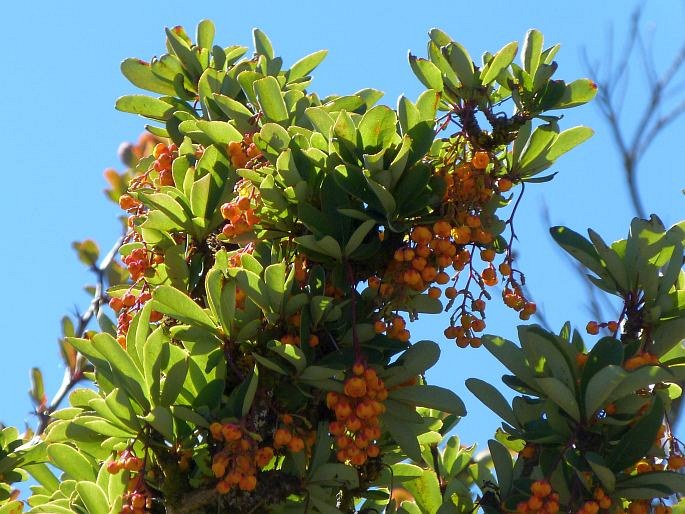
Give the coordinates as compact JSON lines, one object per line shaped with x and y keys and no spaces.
{"x":357,"y":427}
{"x":237,"y":462}
{"x":137,"y":499}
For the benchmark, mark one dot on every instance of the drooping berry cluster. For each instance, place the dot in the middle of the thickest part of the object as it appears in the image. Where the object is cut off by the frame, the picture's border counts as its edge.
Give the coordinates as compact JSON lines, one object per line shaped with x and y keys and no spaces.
{"x":357,"y":427}
{"x":542,"y":500}
{"x":244,"y":154}
{"x":240,"y":212}
{"x":137,"y":498}
{"x":593,"y":327}
{"x":292,"y":436}
{"x":237,"y":462}
{"x":164,"y":157}
{"x":600,"y":501}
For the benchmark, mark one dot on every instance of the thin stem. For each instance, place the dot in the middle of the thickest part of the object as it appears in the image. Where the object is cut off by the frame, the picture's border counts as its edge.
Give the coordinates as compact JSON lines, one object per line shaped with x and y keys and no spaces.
{"x":73,"y":376}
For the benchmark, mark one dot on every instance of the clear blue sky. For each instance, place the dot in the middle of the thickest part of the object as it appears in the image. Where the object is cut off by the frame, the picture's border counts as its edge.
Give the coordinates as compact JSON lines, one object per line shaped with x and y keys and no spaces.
{"x":61,"y":77}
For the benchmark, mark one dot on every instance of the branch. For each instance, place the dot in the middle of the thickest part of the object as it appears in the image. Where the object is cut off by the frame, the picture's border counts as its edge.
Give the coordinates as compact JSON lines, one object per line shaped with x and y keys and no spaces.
{"x":74,"y":376}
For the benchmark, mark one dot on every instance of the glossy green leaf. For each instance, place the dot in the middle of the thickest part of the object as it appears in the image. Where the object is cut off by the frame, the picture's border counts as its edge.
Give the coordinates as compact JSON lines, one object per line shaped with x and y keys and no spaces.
{"x":577,"y":93}
{"x":504,"y":466}
{"x":532,"y":50}
{"x":205,"y":34}
{"x":638,"y":439}
{"x":94,"y":498}
{"x":502,"y":59}
{"x":306,"y":65}
{"x":71,"y":461}
{"x":169,"y":300}
{"x":432,"y":397}
{"x":427,"y":72}
{"x":140,"y":74}
{"x":270,"y":99}
{"x":146,"y":106}
{"x":492,"y":399}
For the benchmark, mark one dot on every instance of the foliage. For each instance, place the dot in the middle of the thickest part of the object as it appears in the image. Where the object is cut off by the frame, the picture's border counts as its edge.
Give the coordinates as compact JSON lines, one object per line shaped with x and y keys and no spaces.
{"x":276,"y":245}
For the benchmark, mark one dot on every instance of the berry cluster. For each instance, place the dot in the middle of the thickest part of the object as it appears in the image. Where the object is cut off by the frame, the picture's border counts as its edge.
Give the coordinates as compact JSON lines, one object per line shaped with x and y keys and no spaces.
{"x":593,"y":327}
{"x":542,"y":500}
{"x":244,"y":154}
{"x":126,"y":306}
{"x":240,"y":212}
{"x":140,"y":260}
{"x":236,"y":464}
{"x":600,"y":500}
{"x":293,"y":437}
{"x":640,"y":359}
{"x":356,"y":426}
{"x":137,"y":498}
{"x":394,"y":326}
{"x":164,"y":157}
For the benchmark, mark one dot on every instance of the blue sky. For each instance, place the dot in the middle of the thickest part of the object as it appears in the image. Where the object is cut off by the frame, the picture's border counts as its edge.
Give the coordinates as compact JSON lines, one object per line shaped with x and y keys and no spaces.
{"x":61,"y":78}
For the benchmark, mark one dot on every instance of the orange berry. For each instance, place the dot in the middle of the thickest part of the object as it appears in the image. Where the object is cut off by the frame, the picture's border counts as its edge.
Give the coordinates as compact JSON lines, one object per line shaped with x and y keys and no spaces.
{"x":313,"y":340}
{"x":355,"y":387}
{"x":592,"y":328}
{"x":505,"y":269}
{"x":489,"y":276}
{"x":488,"y":255}
{"x":442,"y":228}
{"x":504,"y":185}
{"x":282,"y":437}
{"x":442,"y":278}
{"x":379,"y":327}
{"x":534,"y":503}
{"x":451,"y":293}
{"x":480,"y":160}
{"x":541,"y":488}
{"x":296,"y":444}
{"x":421,"y":235}
{"x":434,"y":292}
{"x":248,"y":483}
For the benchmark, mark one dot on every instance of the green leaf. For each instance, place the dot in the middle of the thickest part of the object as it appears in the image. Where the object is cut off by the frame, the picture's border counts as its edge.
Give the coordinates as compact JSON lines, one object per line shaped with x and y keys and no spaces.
{"x":511,"y":356}
{"x":262,"y":44}
{"x":169,"y":300}
{"x":560,"y":394}
{"x":220,"y":132}
{"x":426,"y":491}
{"x":577,"y":93}
{"x":599,"y":467}
{"x":173,"y":383}
{"x":291,"y":353}
{"x":275,"y":136}
{"x":638,"y":439}
{"x":664,"y":482}
{"x":377,"y":128}
{"x":432,"y":397}
{"x":270,"y":99}
{"x":531,"y":51}
{"x":358,"y":237}
{"x":414,"y":361}
{"x":140,"y":74}
{"x":94,"y":498}
{"x":71,"y":461}
{"x":274,"y":278}
{"x":146,"y":106}
{"x":579,"y":247}
{"x":205,"y":34}
{"x":504,"y":466}
{"x":567,"y":140}
{"x":306,"y":65}
{"x":401,"y":432}
{"x":427,"y":72}
{"x":461,"y":63}
{"x":122,"y":365}
{"x":500,"y":61}
{"x":492,"y":399}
